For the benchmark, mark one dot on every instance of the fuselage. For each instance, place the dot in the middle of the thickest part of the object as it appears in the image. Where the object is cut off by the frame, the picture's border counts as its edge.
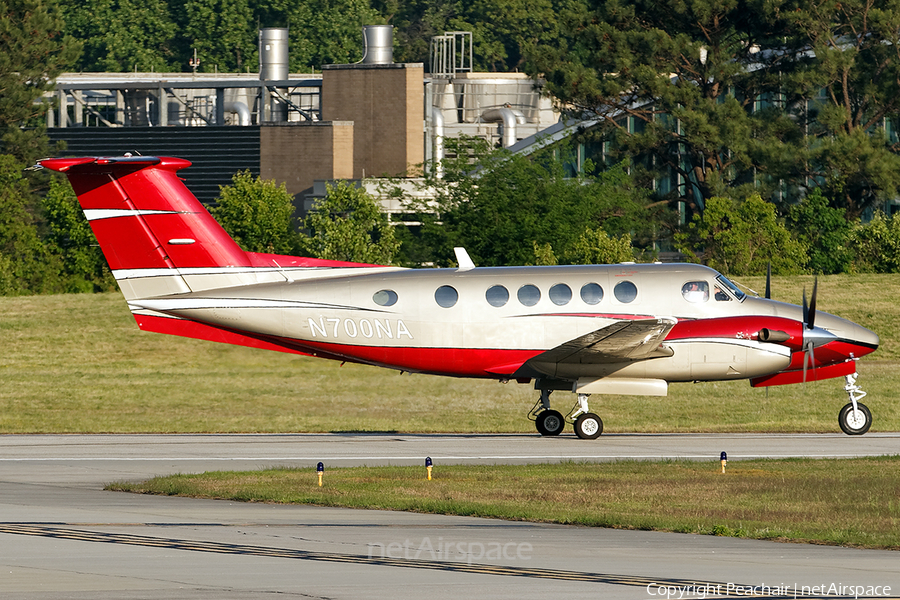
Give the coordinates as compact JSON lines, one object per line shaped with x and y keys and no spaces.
{"x":486,"y":322}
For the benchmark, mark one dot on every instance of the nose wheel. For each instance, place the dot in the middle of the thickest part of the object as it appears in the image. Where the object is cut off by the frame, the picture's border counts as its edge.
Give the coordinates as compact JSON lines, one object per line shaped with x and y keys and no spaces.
{"x":855,"y":418}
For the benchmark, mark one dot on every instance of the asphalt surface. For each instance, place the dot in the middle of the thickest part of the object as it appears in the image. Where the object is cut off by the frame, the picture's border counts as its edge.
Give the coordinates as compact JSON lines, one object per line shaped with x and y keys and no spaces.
{"x":61,"y":536}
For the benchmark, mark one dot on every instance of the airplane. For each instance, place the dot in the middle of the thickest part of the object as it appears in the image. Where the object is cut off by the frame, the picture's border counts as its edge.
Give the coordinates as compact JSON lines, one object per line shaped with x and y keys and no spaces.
{"x":624,"y":329}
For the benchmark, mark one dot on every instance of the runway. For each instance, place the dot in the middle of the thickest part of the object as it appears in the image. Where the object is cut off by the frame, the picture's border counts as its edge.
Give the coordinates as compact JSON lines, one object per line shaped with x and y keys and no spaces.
{"x":61,"y":536}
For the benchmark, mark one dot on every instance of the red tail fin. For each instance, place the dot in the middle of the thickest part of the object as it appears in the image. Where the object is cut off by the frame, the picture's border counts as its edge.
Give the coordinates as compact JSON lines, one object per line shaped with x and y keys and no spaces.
{"x":143,"y":215}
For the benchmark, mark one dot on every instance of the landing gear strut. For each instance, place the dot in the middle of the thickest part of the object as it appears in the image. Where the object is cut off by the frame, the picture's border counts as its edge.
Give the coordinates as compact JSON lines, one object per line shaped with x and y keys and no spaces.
{"x":549,"y":422}
{"x":855,"y":418}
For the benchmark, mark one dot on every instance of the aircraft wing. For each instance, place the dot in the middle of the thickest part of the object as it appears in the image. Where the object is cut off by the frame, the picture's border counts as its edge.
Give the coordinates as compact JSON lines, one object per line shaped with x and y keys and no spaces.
{"x":620,"y":342}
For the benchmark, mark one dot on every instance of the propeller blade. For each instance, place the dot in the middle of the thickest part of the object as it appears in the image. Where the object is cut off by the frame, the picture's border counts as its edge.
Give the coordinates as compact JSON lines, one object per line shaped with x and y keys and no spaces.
{"x":769,"y":281}
{"x":805,"y":309}
{"x":811,"y":320}
{"x":809,"y":358}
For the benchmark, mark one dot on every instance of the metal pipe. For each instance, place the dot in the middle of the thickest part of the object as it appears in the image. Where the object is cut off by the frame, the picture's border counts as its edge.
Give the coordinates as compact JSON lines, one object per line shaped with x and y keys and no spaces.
{"x":437,"y":119}
{"x":242,"y":111}
{"x":507,"y":118}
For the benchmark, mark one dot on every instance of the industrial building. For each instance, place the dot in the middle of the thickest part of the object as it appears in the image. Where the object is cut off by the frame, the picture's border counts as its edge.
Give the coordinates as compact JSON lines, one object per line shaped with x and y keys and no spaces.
{"x":371,"y":119}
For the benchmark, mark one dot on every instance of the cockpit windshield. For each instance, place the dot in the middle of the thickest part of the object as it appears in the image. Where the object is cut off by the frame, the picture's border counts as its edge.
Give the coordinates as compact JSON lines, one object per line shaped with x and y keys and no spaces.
{"x":731,"y":287}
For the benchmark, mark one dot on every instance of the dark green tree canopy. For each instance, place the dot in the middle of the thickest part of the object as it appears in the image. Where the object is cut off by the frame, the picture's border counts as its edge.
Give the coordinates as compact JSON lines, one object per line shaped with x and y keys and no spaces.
{"x":33,"y":53}
{"x":515,"y":205}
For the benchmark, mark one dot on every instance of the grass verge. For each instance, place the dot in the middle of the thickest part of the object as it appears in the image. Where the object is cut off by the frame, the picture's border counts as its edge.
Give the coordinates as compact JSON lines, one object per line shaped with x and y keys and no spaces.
{"x":849,"y":502}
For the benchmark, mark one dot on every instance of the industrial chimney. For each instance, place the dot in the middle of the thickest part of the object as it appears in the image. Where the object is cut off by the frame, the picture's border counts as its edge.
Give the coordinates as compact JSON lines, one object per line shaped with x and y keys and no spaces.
{"x":273,"y":66}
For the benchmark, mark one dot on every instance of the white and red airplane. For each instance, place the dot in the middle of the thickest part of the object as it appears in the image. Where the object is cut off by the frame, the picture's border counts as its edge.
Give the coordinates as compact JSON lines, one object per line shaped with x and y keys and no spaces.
{"x":597,"y":329}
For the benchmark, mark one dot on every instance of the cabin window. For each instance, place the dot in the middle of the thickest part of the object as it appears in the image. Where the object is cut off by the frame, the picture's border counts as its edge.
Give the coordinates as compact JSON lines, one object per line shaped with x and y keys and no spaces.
{"x":560,"y":294}
{"x":385,"y":298}
{"x":591,"y":293}
{"x":695,"y":291}
{"x":446,"y":296}
{"x":497,"y":296}
{"x":529,"y":295}
{"x":625,"y":292}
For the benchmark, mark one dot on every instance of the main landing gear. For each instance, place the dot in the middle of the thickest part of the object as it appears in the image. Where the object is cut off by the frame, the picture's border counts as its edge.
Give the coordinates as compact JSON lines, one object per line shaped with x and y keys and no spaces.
{"x":855,"y":418}
{"x":587,"y":425}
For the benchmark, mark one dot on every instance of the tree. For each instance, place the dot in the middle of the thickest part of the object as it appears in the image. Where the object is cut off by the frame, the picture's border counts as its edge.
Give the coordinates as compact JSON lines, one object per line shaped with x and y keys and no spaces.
{"x":681,"y":86}
{"x":596,"y":247}
{"x":513,"y":206}
{"x":349,"y":225}
{"x":32,"y":54}
{"x":741,"y":239}
{"x":223,"y":32}
{"x":853,"y":91}
{"x":258,"y":214}
{"x":876,"y":245}
{"x":825,"y":232}
{"x":124,"y":35}
{"x":69,"y":237}
{"x":25,"y":264}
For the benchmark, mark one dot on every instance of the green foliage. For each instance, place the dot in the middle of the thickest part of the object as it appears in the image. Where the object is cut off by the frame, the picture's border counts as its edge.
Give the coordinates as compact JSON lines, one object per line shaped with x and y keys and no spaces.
{"x":876,"y":245}
{"x":69,"y":237}
{"x":32,"y":54}
{"x":824,"y":231}
{"x":857,"y":169}
{"x":853,"y":86}
{"x":596,"y":247}
{"x":742,"y":239}
{"x":544,"y":255}
{"x":516,"y":210}
{"x":688,"y":76}
{"x":25,"y":264}
{"x":223,"y":32}
{"x":348,"y":225}
{"x":123,"y":35}
{"x":258,"y":214}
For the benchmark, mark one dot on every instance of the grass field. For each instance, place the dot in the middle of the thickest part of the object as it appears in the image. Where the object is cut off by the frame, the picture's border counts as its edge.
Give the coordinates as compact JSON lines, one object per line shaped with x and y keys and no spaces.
{"x":846,"y":502}
{"x":78,"y":363}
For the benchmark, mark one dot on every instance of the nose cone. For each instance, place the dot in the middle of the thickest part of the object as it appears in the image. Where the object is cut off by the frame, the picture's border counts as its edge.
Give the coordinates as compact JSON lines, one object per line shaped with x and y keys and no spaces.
{"x":862,"y":341}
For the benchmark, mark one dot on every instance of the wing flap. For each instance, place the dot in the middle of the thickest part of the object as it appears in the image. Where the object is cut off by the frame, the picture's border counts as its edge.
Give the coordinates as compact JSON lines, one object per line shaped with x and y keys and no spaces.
{"x":620,"y":342}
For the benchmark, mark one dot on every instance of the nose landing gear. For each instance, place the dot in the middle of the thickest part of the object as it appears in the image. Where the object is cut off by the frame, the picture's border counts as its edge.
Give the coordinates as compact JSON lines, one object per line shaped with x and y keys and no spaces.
{"x":855,"y":417}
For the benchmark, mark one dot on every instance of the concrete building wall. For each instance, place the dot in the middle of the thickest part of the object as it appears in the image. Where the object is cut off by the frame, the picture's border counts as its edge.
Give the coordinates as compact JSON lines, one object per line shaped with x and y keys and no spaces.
{"x":385,"y":103}
{"x":300,"y":153}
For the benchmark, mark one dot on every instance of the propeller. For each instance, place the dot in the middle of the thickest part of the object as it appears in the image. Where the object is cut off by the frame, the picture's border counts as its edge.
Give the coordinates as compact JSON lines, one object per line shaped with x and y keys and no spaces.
{"x":769,"y":281}
{"x":809,"y":323}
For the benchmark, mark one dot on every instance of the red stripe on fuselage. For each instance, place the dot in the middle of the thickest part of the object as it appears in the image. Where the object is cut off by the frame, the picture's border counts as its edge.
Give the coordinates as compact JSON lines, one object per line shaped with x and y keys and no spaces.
{"x":456,"y":362}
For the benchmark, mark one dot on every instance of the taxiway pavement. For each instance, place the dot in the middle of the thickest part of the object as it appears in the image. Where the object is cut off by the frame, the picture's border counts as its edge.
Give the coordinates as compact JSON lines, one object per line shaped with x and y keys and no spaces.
{"x":61,"y":536}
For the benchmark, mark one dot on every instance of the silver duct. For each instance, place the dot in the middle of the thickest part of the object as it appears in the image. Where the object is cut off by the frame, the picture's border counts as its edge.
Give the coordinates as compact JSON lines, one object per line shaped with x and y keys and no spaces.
{"x":378,"y":44}
{"x":508,"y":118}
{"x":273,"y":66}
{"x":437,"y":120}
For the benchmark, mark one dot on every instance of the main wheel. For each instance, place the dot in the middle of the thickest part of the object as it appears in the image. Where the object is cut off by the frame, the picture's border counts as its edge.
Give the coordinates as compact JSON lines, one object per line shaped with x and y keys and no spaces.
{"x":550,"y":422}
{"x":855,"y":423}
{"x":588,"y":426}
